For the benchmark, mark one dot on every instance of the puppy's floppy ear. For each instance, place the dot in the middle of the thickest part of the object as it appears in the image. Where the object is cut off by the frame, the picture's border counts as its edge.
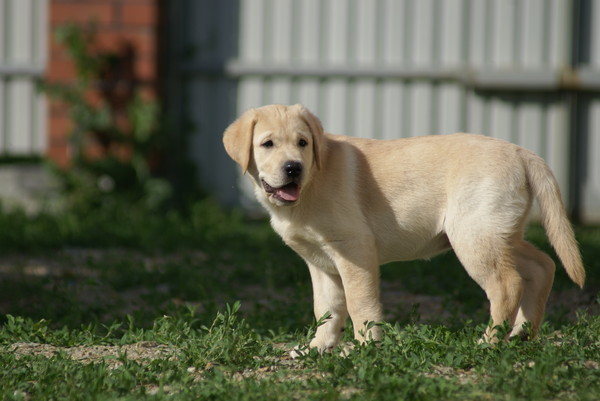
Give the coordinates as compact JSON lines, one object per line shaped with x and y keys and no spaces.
{"x":316,"y":128}
{"x":237,"y":139}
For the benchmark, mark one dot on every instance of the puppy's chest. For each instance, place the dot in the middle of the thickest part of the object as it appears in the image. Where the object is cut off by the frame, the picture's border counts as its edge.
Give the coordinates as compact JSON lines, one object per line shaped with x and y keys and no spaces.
{"x":308,"y":243}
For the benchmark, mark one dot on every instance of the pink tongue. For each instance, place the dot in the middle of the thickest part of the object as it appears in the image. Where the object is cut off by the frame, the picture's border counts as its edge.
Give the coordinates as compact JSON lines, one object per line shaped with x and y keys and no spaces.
{"x":288,"y":193}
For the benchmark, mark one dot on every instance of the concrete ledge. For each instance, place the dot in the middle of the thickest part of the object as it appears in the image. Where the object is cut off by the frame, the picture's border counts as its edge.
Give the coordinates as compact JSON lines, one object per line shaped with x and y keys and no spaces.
{"x":25,"y":186}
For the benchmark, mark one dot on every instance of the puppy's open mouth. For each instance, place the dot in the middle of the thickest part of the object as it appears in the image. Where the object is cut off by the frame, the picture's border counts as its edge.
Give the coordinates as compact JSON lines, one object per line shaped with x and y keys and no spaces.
{"x":288,"y":193}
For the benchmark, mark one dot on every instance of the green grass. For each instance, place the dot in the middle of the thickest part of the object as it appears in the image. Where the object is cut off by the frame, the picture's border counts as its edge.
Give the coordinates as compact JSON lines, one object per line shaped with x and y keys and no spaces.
{"x":123,"y":304}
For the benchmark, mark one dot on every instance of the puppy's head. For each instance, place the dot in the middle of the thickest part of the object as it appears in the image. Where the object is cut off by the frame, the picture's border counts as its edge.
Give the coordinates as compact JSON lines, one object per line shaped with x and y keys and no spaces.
{"x":280,"y":146}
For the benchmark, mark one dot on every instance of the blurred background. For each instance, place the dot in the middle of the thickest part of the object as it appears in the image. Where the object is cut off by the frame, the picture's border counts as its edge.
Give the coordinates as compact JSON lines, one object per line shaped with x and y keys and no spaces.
{"x":133,"y":95}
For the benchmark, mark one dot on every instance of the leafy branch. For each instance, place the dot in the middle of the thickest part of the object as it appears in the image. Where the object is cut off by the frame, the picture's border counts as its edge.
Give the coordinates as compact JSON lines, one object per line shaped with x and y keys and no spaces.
{"x":117,"y":137}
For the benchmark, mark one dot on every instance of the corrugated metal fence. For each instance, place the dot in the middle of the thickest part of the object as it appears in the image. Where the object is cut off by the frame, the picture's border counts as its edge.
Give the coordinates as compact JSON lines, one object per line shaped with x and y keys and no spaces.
{"x":526,"y":71}
{"x":23,"y":33}
{"x":523,"y":70}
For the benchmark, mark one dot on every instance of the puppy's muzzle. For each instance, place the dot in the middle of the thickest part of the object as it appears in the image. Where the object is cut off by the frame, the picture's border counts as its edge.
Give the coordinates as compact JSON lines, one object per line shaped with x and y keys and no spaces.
{"x":290,"y":192}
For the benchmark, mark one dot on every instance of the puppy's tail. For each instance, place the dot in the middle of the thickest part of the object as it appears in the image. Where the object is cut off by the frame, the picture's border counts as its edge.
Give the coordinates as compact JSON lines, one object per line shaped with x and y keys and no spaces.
{"x":554,"y":217}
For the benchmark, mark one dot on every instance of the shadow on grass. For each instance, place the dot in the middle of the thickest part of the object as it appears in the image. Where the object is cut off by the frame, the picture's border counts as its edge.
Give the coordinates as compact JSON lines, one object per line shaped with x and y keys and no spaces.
{"x":75,"y":271}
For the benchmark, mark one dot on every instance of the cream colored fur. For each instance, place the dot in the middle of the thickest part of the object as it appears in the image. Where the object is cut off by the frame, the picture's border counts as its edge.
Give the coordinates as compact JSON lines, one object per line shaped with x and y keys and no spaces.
{"x":362,"y":203}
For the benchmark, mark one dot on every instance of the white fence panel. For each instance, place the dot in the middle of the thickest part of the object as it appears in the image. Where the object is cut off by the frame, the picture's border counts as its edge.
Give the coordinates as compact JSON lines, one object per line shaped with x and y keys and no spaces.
{"x":595,"y":35}
{"x":451,"y":108}
{"x":591,"y":180}
{"x":336,"y":33}
{"x":23,"y":26}
{"x":590,"y":175}
{"x":452,"y":48}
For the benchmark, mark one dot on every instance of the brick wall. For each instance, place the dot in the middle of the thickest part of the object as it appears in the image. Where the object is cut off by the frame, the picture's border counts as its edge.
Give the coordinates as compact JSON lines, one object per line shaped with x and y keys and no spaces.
{"x":123,"y":26}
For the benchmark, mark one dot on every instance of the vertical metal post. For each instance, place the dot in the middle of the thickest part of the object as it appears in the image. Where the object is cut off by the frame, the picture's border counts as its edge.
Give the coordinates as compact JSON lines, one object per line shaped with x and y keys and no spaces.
{"x":579,"y":43}
{"x":174,"y":102}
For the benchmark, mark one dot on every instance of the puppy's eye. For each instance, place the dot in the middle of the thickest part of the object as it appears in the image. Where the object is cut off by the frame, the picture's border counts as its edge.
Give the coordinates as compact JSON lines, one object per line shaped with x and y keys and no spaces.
{"x":267,"y":144}
{"x":302,"y":143}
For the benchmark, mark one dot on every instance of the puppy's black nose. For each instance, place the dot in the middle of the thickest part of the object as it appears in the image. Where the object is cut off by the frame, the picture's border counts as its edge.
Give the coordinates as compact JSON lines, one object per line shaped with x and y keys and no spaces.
{"x":293,"y":169}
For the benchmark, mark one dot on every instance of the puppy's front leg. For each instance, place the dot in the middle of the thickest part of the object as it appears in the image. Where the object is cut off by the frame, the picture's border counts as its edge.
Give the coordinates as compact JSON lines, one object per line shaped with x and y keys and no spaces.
{"x":359,"y":271}
{"x":329,"y":298}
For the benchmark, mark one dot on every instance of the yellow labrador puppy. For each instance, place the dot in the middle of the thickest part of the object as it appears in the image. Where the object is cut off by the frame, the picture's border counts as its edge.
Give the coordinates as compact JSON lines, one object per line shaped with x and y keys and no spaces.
{"x":347,"y":205}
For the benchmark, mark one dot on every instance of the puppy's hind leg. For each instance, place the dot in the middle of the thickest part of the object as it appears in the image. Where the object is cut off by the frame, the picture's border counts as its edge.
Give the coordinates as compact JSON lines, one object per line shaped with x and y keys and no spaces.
{"x":489,"y":262}
{"x":537,"y":270}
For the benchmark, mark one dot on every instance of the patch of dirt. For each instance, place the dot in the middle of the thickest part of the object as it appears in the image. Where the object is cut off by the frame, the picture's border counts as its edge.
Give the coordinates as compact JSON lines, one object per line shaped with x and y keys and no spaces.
{"x":574,"y":300}
{"x":461,"y":375}
{"x":142,"y":352}
{"x":401,"y":304}
{"x":75,"y":261}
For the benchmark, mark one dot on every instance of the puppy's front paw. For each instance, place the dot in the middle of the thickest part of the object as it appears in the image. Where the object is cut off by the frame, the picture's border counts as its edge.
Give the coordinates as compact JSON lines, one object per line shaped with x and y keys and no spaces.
{"x":347,"y":349}
{"x":321,"y":346}
{"x":298,"y":351}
